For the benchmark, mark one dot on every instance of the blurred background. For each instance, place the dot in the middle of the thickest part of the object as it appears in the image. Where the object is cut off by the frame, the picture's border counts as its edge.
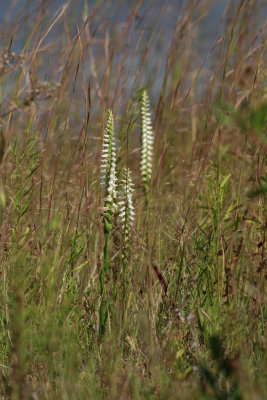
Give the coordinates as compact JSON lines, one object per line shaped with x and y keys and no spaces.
{"x":150,"y":35}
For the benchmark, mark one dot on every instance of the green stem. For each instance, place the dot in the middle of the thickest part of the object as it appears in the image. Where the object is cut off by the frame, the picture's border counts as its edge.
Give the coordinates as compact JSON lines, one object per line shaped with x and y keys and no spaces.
{"x":124,"y":267}
{"x":148,"y":259}
{"x":104,"y":306}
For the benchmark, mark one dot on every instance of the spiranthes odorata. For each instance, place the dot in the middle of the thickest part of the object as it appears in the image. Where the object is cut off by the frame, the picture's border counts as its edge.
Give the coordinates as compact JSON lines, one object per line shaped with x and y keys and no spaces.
{"x":126,"y":214}
{"x":147,"y":141}
{"x":108,"y":175}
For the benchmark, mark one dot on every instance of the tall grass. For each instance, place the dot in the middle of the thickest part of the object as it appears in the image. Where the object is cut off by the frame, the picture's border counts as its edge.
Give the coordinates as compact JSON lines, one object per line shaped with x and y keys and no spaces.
{"x":170,"y":304}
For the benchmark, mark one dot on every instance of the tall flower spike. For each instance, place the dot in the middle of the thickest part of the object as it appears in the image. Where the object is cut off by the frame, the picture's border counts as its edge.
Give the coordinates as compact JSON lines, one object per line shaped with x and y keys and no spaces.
{"x":147,"y":140}
{"x":109,"y":178}
{"x":108,"y":167}
{"x":126,"y":203}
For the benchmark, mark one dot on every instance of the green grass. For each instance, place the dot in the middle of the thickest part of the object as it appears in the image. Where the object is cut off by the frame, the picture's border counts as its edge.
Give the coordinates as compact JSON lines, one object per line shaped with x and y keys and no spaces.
{"x":187,"y":318}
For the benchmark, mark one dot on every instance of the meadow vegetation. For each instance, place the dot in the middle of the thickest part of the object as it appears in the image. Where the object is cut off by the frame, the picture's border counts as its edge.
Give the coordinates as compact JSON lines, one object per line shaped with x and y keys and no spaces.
{"x":157,"y":291}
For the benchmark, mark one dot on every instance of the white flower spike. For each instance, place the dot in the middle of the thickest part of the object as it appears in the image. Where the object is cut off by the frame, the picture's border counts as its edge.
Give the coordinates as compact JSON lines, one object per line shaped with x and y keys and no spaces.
{"x":108,"y":167}
{"x":147,"y":140}
{"x":126,"y":202}
{"x":126,"y":215}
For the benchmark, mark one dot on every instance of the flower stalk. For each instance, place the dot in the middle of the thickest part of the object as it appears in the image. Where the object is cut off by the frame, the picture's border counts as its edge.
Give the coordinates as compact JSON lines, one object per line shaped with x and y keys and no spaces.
{"x":108,"y":171}
{"x":147,"y":149}
{"x":126,"y":215}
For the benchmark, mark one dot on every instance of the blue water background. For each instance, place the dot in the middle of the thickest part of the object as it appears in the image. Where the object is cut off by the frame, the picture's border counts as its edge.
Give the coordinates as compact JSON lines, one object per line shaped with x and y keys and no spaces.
{"x":163,"y":15}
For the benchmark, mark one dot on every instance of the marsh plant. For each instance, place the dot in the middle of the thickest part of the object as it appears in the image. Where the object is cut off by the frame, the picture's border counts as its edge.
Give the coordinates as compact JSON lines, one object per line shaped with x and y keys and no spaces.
{"x":109,"y":178}
{"x":125,"y":199}
{"x":126,"y":215}
{"x":124,"y":205}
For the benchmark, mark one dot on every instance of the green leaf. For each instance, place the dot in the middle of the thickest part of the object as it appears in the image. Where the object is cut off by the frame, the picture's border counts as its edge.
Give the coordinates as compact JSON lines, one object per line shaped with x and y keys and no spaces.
{"x":257,"y":192}
{"x":225,"y":181}
{"x":258,"y":119}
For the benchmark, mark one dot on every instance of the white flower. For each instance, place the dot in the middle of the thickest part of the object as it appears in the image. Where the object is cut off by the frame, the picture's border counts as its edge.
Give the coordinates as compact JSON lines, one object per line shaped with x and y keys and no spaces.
{"x":147,"y":139}
{"x":108,"y":165}
{"x":126,"y":202}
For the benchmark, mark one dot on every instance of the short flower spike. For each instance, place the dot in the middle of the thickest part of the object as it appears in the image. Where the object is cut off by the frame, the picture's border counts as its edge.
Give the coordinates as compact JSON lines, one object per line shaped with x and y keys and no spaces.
{"x":126,"y":202}
{"x":108,"y":167}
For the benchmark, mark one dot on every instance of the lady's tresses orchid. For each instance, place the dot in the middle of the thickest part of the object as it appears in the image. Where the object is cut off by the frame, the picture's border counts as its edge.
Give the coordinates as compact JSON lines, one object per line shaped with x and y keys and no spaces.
{"x":108,"y":171}
{"x":147,"y":141}
{"x":127,"y":217}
